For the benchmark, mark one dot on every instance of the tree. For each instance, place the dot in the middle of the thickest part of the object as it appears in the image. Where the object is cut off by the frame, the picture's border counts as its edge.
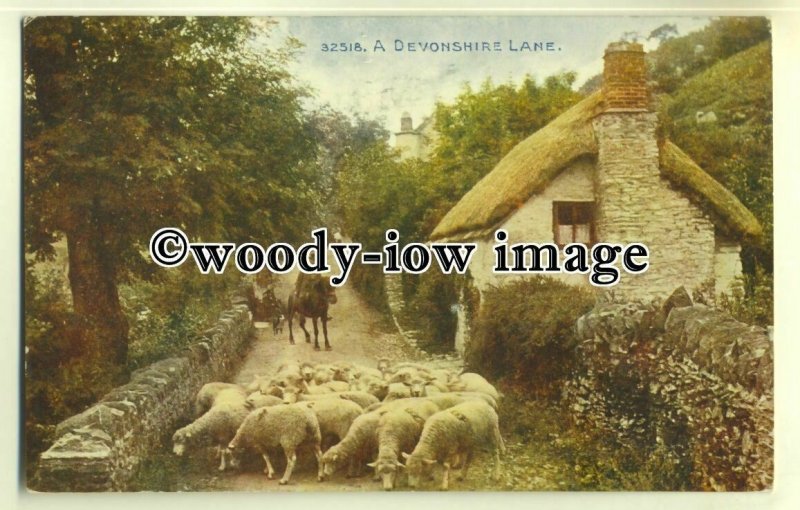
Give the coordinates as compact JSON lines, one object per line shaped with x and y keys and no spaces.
{"x":664,"y":32}
{"x":482,"y":126}
{"x":136,"y":123}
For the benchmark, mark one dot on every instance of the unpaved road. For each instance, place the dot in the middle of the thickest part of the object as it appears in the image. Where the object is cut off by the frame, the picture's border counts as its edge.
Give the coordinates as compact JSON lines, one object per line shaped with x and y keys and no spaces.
{"x":357,"y":334}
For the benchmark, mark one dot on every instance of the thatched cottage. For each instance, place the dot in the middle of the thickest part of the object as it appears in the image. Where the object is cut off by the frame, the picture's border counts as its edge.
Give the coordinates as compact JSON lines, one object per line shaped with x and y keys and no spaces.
{"x":599,"y":172}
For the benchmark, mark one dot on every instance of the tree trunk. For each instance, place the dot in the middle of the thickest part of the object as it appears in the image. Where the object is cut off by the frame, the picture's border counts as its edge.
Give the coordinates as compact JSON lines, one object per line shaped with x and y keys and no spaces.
{"x":95,"y":297}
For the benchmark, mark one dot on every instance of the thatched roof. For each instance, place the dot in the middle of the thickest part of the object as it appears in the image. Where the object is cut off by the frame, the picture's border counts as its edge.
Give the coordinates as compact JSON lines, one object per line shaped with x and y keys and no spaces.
{"x":726,"y":210}
{"x":530,"y":166}
{"x":526,"y":169}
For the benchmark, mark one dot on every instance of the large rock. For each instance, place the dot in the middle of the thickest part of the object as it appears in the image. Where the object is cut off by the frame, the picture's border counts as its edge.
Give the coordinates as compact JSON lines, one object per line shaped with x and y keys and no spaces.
{"x":733,"y":351}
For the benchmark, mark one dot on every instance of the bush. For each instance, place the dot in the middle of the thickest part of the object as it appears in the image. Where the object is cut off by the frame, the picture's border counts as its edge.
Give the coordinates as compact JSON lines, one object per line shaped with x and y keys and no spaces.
{"x":524,"y":332}
{"x":165,"y":316}
{"x":368,"y":282}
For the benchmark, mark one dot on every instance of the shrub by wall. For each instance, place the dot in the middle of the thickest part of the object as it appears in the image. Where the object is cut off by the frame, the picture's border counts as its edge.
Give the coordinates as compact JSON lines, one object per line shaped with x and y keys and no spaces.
{"x":524,"y":332}
{"x":101,"y":448}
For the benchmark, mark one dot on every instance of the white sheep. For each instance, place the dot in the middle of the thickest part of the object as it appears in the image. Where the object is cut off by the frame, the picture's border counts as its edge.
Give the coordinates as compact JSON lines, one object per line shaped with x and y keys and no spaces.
{"x":397,"y":391}
{"x":455,"y":435}
{"x":287,"y":426}
{"x":373,"y":385}
{"x":473,"y":382}
{"x":358,"y":445}
{"x":398,"y":432}
{"x":307,"y":370}
{"x":359,"y":371}
{"x":335,"y":415}
{"x":405,"y":375}
{"x":422,"y":388}
{"x":257,"y":399}
{"x":291,"y":393}
{"x":476,"y":395}
{"x":208,"y":393}
{"x":217,"y":426}
{"x":359,"y":397}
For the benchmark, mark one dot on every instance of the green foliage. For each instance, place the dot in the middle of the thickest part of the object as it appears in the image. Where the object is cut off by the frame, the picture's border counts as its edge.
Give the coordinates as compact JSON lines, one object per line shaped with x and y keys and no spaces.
{"x":166,"y":316}
{"x":752,"y":299}
{"x":374,"y":191}
{"x":61,"y":371}
{"x":524,"y":332}
{"x":136,"y":123}
{"x":737,"y":149}
{"x":432,"y":312}
{"x":481,"y":126}
{"x":546,"y":451}
{"x":679,"y":58}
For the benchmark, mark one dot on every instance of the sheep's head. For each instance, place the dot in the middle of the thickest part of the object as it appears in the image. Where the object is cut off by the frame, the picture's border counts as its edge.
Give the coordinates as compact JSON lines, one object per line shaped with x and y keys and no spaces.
{"x":383,"y":365}
{"x":180,"y":439}
{"x":375,"y":387}
{"x":271,"y":388}
{"x":331,"y":461}
{"x":417,"y":467}
{"x":308,"y":373}
{"x":387,"y":470}
{"x":341,"y":373}
{"x":418,"y":388}
{"x":290,"y":394}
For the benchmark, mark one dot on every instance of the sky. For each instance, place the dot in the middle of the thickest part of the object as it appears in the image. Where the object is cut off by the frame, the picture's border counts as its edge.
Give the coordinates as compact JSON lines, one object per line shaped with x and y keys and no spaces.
{"x":384,"y":84}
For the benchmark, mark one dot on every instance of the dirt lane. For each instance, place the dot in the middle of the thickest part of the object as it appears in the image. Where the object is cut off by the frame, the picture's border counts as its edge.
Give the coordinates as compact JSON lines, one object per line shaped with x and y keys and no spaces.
{"x":357,"y":334}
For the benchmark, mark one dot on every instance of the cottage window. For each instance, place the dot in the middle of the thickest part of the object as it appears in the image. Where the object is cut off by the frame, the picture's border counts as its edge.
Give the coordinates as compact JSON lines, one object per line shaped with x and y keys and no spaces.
{"x":573,"y":222}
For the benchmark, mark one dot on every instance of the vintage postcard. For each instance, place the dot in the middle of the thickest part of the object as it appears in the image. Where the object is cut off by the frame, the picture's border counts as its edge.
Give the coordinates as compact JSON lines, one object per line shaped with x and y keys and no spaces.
{"x":397,"y":253}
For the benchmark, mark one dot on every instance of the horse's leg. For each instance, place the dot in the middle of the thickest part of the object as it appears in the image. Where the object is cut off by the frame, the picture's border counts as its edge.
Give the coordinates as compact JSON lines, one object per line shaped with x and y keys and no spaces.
{"x":325,"y":331}
{"x":303,"y":325}
{"x":316,"y":334}
{"x":290,"y":306}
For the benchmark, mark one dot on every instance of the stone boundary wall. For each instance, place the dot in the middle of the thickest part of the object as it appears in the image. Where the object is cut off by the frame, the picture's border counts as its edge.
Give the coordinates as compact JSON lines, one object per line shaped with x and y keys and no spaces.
{"x":682,"y":381}
{"x":100,"y":449}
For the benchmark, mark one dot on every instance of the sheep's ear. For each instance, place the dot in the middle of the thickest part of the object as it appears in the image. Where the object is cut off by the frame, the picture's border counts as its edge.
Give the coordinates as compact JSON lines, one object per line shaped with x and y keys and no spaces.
{"x":372,"y":464}
{"x":405,"y":455}
{"x":310,"y":404}
{"x":399,"y":464}
{"x":429,"y":462}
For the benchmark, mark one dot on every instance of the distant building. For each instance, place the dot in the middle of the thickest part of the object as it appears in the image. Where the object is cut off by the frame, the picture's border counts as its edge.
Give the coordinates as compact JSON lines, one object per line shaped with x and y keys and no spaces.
{"x":415,"y":143}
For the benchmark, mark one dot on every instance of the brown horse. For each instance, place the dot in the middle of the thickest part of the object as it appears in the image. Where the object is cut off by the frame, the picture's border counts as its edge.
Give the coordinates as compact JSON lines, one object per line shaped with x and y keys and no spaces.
{"x":311,"y":297}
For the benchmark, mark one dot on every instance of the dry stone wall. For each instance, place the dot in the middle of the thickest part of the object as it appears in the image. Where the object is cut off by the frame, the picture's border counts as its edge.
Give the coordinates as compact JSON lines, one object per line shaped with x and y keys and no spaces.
{"x":684,"y":382}
{"x":100,"y":449}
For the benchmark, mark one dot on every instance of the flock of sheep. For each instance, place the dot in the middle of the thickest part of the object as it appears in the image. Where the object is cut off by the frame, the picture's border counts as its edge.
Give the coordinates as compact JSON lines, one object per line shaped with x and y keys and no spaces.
{"x":394,"y":417}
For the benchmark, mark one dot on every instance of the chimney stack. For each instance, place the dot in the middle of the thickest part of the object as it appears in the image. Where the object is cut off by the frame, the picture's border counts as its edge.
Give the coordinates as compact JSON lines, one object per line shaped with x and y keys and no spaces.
{"x":405,"y":123}
{"x":625,"y":78}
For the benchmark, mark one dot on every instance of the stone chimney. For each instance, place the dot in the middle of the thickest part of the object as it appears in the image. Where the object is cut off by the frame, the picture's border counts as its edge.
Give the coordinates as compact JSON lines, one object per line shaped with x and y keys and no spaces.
{"x":405,"y":123}
{"x":633,"y":202}
{"x":625,"y":77}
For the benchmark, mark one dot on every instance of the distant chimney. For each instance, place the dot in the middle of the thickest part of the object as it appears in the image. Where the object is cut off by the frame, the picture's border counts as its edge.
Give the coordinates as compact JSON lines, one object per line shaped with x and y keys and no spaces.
{"x":625,"y":77}
{"x":405,"y":123}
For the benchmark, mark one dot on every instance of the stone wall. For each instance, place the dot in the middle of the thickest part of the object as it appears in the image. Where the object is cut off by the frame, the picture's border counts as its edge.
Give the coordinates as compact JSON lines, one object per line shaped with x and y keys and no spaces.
{"x":683,"y":383}
{"x":100,"y":449}
{"x":635,"y":204}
